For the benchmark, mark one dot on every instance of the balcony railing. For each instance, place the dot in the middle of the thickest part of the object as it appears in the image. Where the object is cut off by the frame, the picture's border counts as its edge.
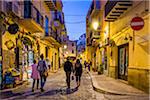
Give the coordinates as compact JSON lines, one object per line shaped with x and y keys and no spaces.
{"x":95,"y":35}
{"x":51,"y":4}
{"x":58,"y":18}
{"x":59,"y":39}
{"x":30,"y":11}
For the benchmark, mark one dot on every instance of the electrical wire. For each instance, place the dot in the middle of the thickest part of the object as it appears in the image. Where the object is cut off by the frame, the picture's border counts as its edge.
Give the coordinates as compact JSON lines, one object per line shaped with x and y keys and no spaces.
{"x":75,"y":22}
{"x":70,"y":15}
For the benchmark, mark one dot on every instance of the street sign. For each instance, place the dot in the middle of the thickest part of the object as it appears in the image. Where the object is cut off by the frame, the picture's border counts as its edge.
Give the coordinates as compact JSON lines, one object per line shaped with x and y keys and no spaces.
{"x":137,"y":23}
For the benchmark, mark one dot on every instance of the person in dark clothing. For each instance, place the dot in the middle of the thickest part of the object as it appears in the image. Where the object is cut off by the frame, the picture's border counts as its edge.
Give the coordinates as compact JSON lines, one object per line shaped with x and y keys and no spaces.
{"x":68,"y":68}
{"x":78,"y":72}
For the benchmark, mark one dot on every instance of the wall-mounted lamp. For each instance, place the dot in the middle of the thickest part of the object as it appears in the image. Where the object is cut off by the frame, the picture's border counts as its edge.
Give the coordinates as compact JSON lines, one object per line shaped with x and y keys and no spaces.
{"x":128,"y":37}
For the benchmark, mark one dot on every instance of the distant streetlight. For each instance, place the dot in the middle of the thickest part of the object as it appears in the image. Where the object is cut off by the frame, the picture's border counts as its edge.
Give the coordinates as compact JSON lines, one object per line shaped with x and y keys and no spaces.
{"x":65,"y":46}
{"x":95,"y":25}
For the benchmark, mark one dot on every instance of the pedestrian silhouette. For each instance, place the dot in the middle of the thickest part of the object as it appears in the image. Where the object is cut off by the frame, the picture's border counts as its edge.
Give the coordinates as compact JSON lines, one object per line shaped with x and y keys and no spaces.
{"x":68,"y":69}
{"x":78,"y":72}
{"x":35,"y":75}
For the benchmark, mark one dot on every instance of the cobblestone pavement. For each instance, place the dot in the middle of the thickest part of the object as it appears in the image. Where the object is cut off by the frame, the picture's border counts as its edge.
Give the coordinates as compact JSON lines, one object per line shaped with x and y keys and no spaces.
{"x":55,"y":89}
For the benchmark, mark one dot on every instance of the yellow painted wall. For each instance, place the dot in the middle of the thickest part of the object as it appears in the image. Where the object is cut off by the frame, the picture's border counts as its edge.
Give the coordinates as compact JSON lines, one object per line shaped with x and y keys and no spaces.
{"x":139,"y":54}
{"x":8,"y":55}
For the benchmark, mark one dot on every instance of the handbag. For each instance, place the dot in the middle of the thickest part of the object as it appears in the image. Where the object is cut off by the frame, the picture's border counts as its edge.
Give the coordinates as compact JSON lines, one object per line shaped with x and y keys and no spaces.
{"x":45,"y":73}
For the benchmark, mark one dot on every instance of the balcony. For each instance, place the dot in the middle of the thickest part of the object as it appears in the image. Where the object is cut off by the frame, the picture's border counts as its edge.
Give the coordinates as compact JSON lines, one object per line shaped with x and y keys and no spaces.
{"x":32,"y":20}
{"x":95,"y":35}
{"x":58,"y":19}
{"x":52,"y":37}
{"x":12,"y":8}
{"x":93,"y":11}
{"x":96,"y":9}
{"x":51,"y":5}
{"x":115,"y":8}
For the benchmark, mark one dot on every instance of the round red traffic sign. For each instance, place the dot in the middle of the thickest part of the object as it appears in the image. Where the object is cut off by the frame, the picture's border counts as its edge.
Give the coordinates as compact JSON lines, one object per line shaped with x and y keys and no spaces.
{"x":137,"y":23}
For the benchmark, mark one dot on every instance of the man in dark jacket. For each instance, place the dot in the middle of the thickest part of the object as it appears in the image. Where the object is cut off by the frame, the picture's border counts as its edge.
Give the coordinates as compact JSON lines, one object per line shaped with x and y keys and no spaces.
{"x":68,"y":68}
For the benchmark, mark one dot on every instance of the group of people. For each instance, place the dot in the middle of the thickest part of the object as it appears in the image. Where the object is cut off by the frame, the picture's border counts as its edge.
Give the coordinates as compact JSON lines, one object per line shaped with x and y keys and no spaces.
{"x":75,"y":70}
{"x":39,"y":72}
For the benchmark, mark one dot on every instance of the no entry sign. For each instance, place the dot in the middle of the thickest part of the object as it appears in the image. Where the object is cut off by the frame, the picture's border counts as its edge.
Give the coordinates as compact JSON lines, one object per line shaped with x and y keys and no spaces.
{"x":137,"y":23}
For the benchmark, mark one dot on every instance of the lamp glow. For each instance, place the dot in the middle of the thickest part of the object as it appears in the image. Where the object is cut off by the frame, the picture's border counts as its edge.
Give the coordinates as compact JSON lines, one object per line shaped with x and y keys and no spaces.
{"x":95,"y":25}
{"x":65,"y":46}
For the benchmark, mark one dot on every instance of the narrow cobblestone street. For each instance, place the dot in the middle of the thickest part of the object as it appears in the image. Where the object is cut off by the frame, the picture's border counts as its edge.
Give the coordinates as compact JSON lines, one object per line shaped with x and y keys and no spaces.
{"x":55,"y":89}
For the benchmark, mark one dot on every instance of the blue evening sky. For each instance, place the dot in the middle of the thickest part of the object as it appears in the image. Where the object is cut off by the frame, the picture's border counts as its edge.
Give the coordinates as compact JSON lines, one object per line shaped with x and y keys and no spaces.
{"x":75,"y":12}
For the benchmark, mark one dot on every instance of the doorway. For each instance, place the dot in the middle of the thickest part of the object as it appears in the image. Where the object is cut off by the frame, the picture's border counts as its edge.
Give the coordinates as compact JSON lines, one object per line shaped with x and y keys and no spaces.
{"x":123,"y":61}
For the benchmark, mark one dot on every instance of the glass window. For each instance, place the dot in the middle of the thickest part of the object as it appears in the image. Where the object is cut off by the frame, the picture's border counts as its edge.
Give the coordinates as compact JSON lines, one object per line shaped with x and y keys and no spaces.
{"x":73,"y":51}
{"x":72,"y":44}
{"x":46,"y":25}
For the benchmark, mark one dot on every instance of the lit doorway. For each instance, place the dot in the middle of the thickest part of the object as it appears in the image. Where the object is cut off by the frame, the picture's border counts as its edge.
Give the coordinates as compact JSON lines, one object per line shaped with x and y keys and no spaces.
{"x":123,"y":61}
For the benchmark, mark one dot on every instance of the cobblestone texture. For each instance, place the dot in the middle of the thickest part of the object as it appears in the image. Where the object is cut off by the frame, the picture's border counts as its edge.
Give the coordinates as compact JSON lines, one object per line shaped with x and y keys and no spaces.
{"x":55,"y":89}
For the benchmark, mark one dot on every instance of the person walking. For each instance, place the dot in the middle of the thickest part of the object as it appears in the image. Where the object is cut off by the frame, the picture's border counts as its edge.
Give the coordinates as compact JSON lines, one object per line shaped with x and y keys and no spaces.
{"x":35,"y":75}
{"x":78,"y":72}
{"x":89,"y":65}
{"x":68,"y":68}
{"x":42,"y":68}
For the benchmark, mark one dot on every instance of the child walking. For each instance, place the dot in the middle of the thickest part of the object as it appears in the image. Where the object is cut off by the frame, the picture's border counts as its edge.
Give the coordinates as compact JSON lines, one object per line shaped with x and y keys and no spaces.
{"x":35,"y":75}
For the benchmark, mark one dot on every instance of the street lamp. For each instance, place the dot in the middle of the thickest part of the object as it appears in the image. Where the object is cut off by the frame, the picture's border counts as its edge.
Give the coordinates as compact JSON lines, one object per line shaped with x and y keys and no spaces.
{"x":65,"y":46}
{"x":95,"y":25}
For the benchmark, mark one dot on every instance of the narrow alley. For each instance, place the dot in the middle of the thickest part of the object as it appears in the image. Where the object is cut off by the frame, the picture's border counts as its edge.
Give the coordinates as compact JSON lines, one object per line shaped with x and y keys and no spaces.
{"x":105,"y":43}
{"x":56,"y":89}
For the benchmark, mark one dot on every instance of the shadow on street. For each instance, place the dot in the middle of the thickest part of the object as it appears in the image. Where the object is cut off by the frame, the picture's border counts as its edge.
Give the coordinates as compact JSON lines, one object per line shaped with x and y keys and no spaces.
{"x":47,"y":93}
{"x":59,"y":91}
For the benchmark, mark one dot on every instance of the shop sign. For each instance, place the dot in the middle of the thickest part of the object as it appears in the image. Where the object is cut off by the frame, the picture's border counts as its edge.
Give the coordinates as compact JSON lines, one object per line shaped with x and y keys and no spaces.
{"x":13,"y":28}
{"x":10,"y":44}
{"x":137,"y":23}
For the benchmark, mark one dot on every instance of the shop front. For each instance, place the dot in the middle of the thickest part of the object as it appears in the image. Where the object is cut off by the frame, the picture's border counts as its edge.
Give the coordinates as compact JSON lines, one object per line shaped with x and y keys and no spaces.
{"x":26,"y":58}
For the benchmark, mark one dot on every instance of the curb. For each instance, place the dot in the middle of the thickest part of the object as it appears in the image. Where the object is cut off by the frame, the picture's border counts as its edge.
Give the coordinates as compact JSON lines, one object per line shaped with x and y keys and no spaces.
{"x":101,"y":90}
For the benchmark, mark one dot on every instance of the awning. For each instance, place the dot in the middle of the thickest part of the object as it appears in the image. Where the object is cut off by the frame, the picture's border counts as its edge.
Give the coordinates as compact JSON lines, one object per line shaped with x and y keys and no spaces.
{"x":31,"y":25}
